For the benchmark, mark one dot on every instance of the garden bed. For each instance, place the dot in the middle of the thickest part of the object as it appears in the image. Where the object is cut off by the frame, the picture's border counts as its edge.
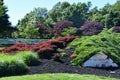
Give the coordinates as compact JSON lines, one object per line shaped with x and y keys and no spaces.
{"x":64,"y":66}
{"x":54,"y":58}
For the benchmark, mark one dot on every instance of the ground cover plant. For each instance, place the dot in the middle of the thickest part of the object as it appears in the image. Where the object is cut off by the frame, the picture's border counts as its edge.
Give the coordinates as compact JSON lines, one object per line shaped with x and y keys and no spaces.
{"x":57,"y":77}
{"x":107,"y":42}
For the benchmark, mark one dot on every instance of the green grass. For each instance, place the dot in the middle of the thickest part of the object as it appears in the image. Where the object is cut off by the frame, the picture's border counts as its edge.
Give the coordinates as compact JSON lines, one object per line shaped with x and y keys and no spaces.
{"x":57,"y":77}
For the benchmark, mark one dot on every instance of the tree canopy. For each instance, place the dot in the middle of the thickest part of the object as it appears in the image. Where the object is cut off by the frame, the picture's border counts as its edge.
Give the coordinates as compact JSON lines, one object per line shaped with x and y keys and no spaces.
{"x":4,"y":22}
{"x":77,"y":13}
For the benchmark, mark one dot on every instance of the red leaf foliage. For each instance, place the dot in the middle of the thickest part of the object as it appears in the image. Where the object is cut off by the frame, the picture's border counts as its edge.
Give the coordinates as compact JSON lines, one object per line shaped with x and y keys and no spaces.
{"x":116,"y":29}
{"x":44,"y":49}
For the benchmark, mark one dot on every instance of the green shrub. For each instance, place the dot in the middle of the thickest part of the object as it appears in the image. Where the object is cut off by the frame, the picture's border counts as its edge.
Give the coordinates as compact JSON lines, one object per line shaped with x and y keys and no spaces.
{"x":62,"y":52}
{"x":29,"y":57}
{"x":11,"y":65}
{"x":70,"y":31}
{"x":107,"y":42}
{"x":17,"y":64}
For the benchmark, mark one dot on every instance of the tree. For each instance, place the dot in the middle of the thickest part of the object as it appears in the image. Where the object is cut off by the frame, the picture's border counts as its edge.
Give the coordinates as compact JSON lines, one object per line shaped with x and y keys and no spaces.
{"x":113,"y":17}
{"x":100,"y":15}
{"x":45,"y":32}
{"x":54,"y":15}
{"x":64,"y":5}
{"x":91,"y":28}
{"x":38,"y":15}
{"x":30,"y":32}
{"x":77,"y":13}
{"x":109,"y":15}
{"x":60,"y":26}
{"x":70,"y":31}
{"x":4,"y":23}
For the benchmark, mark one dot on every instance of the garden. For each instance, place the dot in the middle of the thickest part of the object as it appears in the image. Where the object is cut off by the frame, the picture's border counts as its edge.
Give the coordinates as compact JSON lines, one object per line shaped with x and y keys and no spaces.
{"x":70,"y":41}
{"x":53,"y":56}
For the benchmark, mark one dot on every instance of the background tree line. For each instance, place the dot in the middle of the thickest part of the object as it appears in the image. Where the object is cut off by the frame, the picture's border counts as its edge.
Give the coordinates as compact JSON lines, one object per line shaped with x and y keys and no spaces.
{"x":64,"y":19}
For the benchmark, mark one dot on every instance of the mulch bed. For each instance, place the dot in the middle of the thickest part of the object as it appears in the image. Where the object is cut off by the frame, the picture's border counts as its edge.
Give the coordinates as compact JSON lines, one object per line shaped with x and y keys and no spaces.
{"x":64,"y":66}
{"x":49,"y":66}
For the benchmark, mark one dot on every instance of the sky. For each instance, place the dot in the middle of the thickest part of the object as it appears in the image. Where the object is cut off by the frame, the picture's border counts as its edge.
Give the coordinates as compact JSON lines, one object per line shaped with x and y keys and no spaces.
{"x":17,"y":9}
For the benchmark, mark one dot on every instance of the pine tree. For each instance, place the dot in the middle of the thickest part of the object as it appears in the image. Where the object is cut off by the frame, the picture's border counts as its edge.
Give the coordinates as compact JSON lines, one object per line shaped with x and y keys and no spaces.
{"x":4,"y":22}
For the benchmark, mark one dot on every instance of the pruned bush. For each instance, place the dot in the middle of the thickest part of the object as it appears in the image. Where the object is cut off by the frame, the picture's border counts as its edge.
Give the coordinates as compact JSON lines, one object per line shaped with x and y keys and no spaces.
{"x":60,"y":26}
{"x":116,"y":29}
{"x":29,"y":57}
{"x":11,"y":65}
{"x":91,"y":28}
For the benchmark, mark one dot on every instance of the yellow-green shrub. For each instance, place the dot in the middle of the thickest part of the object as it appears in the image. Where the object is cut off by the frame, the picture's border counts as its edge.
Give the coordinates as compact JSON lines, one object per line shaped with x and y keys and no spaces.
{"x":11,"y":65}
{"x":29,"y":57}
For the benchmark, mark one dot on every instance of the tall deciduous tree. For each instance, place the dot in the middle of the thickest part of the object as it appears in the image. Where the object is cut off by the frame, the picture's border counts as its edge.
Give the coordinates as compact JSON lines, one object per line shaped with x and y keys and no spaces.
{"x":38,"y":15}
{"x":77,"y":13}
{"x":109,"y":15}
{"x":114,"y":15}
{"x":30,"y":32}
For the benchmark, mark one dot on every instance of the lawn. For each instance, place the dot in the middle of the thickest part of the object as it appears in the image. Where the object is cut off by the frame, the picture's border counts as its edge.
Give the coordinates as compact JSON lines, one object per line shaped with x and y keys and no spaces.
{"x":57,"y":77}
